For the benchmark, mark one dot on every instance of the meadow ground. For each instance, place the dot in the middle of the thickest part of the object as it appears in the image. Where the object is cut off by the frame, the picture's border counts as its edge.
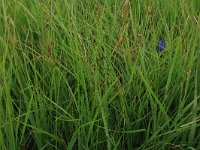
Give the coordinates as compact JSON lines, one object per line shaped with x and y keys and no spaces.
{"x":87,"y":74}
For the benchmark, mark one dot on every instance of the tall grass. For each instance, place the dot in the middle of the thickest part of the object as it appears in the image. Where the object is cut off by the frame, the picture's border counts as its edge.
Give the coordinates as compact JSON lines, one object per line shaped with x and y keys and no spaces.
{"x":87,"y":75}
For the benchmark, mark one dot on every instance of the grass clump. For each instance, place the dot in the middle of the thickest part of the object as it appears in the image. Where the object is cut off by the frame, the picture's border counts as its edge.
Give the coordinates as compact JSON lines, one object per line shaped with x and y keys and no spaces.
{"x":87,"y":74}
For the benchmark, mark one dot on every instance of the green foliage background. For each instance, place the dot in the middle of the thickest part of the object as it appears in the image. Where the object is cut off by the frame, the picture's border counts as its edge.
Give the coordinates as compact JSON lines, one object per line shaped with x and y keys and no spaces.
{"x":86,"y":74}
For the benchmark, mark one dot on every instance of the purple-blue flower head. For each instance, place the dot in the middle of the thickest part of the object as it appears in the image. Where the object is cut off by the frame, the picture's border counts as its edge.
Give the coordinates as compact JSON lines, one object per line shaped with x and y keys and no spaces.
{"x":161,"y":46}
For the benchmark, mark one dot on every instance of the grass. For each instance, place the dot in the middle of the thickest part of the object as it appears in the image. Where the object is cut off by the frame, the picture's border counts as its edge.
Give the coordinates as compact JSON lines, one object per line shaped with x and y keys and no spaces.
{"x":87,"y":75}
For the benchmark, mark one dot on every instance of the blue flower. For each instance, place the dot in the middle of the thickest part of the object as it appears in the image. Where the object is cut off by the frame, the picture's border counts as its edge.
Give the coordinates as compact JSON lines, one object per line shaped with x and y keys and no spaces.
{"x":161,"y":46}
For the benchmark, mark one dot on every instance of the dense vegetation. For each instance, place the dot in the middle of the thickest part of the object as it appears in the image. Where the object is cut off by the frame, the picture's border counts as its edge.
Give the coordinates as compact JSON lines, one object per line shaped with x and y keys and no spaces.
{"x":87,"y":74}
